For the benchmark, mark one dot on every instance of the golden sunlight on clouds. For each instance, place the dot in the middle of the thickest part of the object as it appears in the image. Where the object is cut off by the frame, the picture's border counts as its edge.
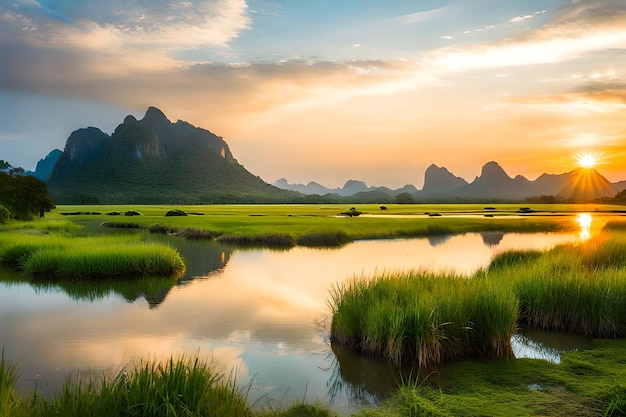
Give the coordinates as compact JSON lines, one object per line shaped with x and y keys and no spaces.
{"x":539,"y":49}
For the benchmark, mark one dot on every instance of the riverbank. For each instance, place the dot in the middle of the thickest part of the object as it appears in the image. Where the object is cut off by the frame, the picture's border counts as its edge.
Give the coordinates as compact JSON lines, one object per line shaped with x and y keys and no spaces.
{"x":286,"y":226}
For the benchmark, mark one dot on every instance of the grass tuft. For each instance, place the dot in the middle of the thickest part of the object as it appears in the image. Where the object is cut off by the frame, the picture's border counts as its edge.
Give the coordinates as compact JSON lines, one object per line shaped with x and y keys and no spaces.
{"x":66,"y":257}
{"x":9,"y":401}
{"x":423,"y":317}
{"x":324,"y":239}
{"x":270,"y":240}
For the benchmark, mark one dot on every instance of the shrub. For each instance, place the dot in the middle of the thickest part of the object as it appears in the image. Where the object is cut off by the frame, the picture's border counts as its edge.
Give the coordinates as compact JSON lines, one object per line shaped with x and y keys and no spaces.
{"x":272,"y":240}
{"x":5,"y":214}
{"x":324,"y":239}
{"x":120,"y":225}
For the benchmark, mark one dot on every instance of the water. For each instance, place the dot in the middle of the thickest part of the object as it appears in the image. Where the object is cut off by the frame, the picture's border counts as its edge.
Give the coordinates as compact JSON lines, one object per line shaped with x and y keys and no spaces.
{"x":261,"y":314}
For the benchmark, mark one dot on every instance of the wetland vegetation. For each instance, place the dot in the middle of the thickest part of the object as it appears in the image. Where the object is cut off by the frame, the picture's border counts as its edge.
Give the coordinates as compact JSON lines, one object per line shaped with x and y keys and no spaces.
{"x":65,"y":257}
{"x":405,"y":317}
{"x":431,"y":318}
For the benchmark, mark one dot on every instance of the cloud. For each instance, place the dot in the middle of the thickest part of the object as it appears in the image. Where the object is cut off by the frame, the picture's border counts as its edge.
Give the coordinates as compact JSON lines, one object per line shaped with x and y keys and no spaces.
{"x":521,"y":18}
{"x":421,"y":16}
{"x":123,"y":56}
{"x":591,"y":99}
{"x":123,"y":26}
{"x":11,"y":137}
{"x":571,"y":35}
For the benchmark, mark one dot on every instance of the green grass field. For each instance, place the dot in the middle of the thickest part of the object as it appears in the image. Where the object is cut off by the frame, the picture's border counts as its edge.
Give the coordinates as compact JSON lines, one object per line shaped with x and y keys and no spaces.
{"x":300,"y":221}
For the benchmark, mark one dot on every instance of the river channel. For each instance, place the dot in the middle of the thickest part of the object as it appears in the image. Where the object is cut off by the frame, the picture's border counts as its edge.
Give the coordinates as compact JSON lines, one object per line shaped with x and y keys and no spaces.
{"x":260,"y":314}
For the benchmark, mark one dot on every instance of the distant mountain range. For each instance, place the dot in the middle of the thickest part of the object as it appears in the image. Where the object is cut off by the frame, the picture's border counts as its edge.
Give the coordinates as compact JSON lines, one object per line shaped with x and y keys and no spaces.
{"x":155,"y":161}
{"x":493,"y":184}
{"x":350,"y":188}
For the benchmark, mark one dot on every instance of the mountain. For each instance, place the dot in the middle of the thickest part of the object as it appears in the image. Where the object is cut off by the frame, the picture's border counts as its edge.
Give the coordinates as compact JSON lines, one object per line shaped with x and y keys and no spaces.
{"x":309,"y":189}
{"x":440,"y":180}
{"x":154,"y":161}
{"x":44,"y":166}
{"x":493,"y":184}
{"x":350,"y":188}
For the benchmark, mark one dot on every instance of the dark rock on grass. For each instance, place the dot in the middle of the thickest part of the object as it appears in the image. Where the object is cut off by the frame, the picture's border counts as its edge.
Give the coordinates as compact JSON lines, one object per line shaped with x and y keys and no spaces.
{"x":175,"y":213}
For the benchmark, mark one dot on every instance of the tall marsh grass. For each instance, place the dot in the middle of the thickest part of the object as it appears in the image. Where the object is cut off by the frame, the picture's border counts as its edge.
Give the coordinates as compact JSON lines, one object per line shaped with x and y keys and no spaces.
{"x":271,"y":240}
{"x":9,"y":401}
{"x":182,"y":386}
{"x":109,"y":261}
{"x":58,"y":256}
{"x":577,"y":287}
{"x":428,"y":318}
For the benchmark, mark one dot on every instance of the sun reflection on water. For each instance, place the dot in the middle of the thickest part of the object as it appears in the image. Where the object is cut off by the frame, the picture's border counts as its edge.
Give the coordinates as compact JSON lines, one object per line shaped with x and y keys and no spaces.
{"x":584,"y":221}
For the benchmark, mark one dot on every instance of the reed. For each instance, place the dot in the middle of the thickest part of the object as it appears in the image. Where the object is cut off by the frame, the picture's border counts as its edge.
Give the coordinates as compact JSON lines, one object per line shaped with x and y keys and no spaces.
{"x":182,"y":386}
{"x":9,"y":401}
{"x":101,"y":257}
{"x":577,"y":287}
{"x":105,"y":261}
{"x":558,"y":298}
{"x":324,"y":239}
{"x":271,"y":240}
{"x":428,"y":318}
{"x":16,"y":248}
{"x":197,"y":234}
{"x":512,"y":258}
{"x":120,"y":225}
{"x":185,"y":386}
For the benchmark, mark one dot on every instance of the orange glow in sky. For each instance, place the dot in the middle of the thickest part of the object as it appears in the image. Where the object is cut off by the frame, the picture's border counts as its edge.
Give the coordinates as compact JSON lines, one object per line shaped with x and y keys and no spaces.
{"x":328,"y":91}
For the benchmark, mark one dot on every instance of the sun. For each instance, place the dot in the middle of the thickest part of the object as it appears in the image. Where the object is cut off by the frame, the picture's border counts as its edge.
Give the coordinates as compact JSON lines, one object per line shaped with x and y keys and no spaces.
{"x":586,"y":159}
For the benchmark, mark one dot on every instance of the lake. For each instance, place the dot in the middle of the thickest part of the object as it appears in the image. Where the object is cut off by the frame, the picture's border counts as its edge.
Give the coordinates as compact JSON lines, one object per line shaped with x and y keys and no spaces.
{"x":260,"y":314}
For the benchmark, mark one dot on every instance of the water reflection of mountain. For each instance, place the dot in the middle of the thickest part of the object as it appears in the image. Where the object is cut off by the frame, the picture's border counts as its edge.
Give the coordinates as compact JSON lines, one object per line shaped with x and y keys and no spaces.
{"x":492,"y":238}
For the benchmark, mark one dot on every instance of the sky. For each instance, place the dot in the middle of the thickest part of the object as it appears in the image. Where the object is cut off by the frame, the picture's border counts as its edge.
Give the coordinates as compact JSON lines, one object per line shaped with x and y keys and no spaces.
{"x":328,"y":90}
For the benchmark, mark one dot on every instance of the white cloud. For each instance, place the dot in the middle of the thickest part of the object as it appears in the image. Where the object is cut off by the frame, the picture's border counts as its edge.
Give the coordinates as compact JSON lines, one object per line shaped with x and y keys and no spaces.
{"x":520,"y":18}
{"x":550,"y":45}
{"x":420,"y":16}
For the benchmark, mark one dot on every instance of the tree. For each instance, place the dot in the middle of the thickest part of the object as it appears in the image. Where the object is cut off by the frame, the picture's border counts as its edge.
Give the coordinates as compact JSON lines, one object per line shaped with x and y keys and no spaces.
{"x":4,"y":214}
{"x":25,"y":197}
{"x":404,"y":198}
{"x":620,"y":198}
